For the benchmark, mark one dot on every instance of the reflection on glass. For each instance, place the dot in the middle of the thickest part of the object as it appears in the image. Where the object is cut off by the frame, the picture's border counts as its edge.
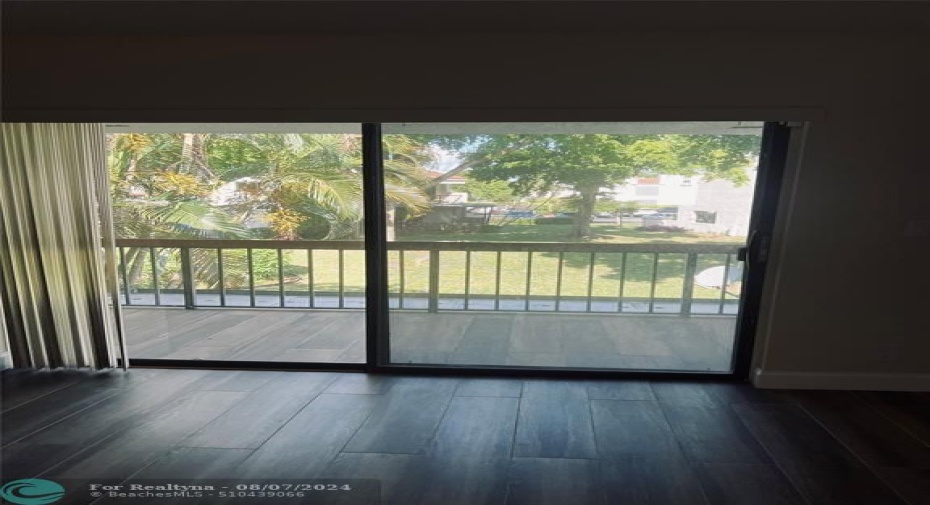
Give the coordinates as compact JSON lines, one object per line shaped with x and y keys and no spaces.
{"x":591,"y":245}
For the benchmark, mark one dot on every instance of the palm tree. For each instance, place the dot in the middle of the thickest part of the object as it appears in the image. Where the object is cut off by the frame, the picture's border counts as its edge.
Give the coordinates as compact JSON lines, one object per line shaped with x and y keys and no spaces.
{"x":321,"y":175}
{"x":153,"y":198}
{"x":163,"y":185}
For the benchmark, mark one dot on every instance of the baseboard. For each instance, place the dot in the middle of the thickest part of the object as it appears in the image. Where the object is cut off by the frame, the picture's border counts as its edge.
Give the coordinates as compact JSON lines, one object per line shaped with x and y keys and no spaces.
{"x":764,"y":379}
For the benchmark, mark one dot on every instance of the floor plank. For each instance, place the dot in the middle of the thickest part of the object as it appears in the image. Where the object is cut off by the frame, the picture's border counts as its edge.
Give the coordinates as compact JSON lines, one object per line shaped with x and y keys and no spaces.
{"x":818,"y":465}
{"x":913,"y":484}
{"x":910,"y":411}
{"x":405,"y":417}
{"x":195,"y":463}
{"x":620,"y":390}
{"x":741,"y":484}
{"x":713,"y":435}
{"x":632,"y":428}
{"x":710,"y":394}
{"x":308,"y":443}
{"x":475,"y":428}
{"x":122,"y":454}
{"x":874,"y":438}
{"x":463,"y":440}
{"x":507,"y":388}
{"x":119,"y":412}
{"x":475,"y":440}
{"x":555,"y":421}
{"x":262,"y":412}
{"x":23,"y":386}
{"x":545,"y":481}
{"x":360,"y":384}
{"x":650,"y":481}
{"x":53,"y":408}
{"x":400,"y":475}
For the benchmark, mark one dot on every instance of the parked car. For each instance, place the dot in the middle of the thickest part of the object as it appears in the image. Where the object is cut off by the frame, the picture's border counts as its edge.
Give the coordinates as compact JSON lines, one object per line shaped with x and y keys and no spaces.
{"x":660,"y":215}
{"x":520,"y":213}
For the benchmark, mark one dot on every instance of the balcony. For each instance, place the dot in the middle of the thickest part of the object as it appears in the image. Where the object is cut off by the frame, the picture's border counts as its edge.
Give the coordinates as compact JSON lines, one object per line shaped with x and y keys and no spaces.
{"x":631,"y":306}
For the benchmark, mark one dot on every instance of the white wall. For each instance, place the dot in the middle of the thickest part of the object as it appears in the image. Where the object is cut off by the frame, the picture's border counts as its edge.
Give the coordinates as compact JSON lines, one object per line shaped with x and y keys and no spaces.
{"x":849,"y":292}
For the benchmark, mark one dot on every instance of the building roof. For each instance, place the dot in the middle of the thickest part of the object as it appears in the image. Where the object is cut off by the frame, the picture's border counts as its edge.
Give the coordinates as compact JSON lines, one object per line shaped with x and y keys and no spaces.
{"x":455,"y":179}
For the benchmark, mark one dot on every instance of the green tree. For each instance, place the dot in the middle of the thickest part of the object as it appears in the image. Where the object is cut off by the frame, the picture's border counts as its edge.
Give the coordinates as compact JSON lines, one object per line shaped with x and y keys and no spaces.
{"x":490,"y":191}
{"x":586,"y":163}
{"x":299,"y":177}
{"x":159,"y":184}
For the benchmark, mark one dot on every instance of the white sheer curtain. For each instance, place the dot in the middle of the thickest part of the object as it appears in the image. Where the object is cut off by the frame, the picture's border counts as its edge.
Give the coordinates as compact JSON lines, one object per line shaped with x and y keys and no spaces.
{"x":58,"y":286}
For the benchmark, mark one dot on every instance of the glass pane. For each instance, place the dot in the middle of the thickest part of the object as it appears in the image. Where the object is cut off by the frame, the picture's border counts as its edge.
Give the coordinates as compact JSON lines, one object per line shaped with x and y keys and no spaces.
{"x":582,"y":245}
{"x":257,"y":226}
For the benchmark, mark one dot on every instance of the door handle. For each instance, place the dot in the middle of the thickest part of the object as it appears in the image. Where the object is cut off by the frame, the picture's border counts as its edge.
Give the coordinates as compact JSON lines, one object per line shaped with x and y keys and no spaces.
{"x":756,"y":250}
{"x":742,"y":254}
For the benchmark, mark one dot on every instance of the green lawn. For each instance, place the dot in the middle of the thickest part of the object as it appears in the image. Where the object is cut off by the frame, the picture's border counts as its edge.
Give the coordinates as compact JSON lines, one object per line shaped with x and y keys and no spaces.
{"x":604,"y":234}
{"x":607,"y":271}
{"x":608,"y":267}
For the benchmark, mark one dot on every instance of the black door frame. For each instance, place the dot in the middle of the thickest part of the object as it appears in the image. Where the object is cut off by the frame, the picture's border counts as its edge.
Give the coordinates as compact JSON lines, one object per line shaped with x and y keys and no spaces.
{"x":773,"y":157}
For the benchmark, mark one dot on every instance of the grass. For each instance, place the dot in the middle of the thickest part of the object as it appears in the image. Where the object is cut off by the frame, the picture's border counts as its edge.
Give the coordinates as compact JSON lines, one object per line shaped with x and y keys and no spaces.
{"x":603,"y":234}
{"x":576,"y":267}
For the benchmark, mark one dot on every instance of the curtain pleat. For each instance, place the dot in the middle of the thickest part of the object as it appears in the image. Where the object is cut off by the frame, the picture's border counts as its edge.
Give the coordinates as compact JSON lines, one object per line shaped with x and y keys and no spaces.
{"x":58,"y":268}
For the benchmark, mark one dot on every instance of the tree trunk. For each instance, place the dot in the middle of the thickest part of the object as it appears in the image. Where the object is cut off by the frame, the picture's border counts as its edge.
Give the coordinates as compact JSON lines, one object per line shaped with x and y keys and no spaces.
{"x":390,"y":211}
{"x":135,"y":259}
{"x":582,"y":226}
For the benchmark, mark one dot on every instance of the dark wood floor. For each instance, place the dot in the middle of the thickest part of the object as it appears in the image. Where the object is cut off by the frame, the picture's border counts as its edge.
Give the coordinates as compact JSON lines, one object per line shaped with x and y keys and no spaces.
{"x":475,"y":441}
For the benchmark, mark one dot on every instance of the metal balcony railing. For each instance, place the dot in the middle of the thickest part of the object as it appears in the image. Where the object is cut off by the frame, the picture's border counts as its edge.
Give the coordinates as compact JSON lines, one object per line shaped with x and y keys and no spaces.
{"x":430,"y":276}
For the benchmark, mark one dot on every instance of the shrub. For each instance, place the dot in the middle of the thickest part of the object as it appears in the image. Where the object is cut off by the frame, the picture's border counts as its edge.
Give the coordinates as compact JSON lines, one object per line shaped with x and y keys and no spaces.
{"x":663,"y":228}
{"x":554,"y":220}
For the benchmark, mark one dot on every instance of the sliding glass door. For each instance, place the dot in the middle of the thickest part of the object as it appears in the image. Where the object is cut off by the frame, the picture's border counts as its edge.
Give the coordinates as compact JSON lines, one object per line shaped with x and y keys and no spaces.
{"x":595,"y":246}
{"x":241,"y":242}
{"x":568,"y":245}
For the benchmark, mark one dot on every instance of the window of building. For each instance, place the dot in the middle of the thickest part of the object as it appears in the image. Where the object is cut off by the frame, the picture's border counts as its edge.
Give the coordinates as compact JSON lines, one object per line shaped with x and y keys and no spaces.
{"x":703,"y":216}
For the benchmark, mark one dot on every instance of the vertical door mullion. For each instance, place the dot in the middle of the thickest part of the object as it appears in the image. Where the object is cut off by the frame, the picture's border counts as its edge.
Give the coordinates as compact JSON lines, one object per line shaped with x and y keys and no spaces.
{"x":773,"y":158}
{"x":376,"y":257}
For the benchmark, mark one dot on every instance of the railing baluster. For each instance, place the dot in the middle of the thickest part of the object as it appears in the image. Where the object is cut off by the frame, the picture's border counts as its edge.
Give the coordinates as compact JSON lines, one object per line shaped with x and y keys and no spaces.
{"x":281,"y":297}
{"x":401,"y":272}
{"x":529,"y":280}
{"x":723,"y":284}
{"x":590,"y":281}
{"x":222,"y":276}
{"x":122,"y":268}
{"x":311,"y":289}
{"x":152,"y":250}
{"x":187,"y":277}
{"x":652,"y":288}
{"x":251,"y":271}
{"x":433,"y":297}
{"x":154,"y":266}
{"x":687,"y":292}
{"x":467,"y":277}
{"x":558,"y":282}
{"x":620,"y":289}
{"x":342,"y":278}
{"x":497,"y":283}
